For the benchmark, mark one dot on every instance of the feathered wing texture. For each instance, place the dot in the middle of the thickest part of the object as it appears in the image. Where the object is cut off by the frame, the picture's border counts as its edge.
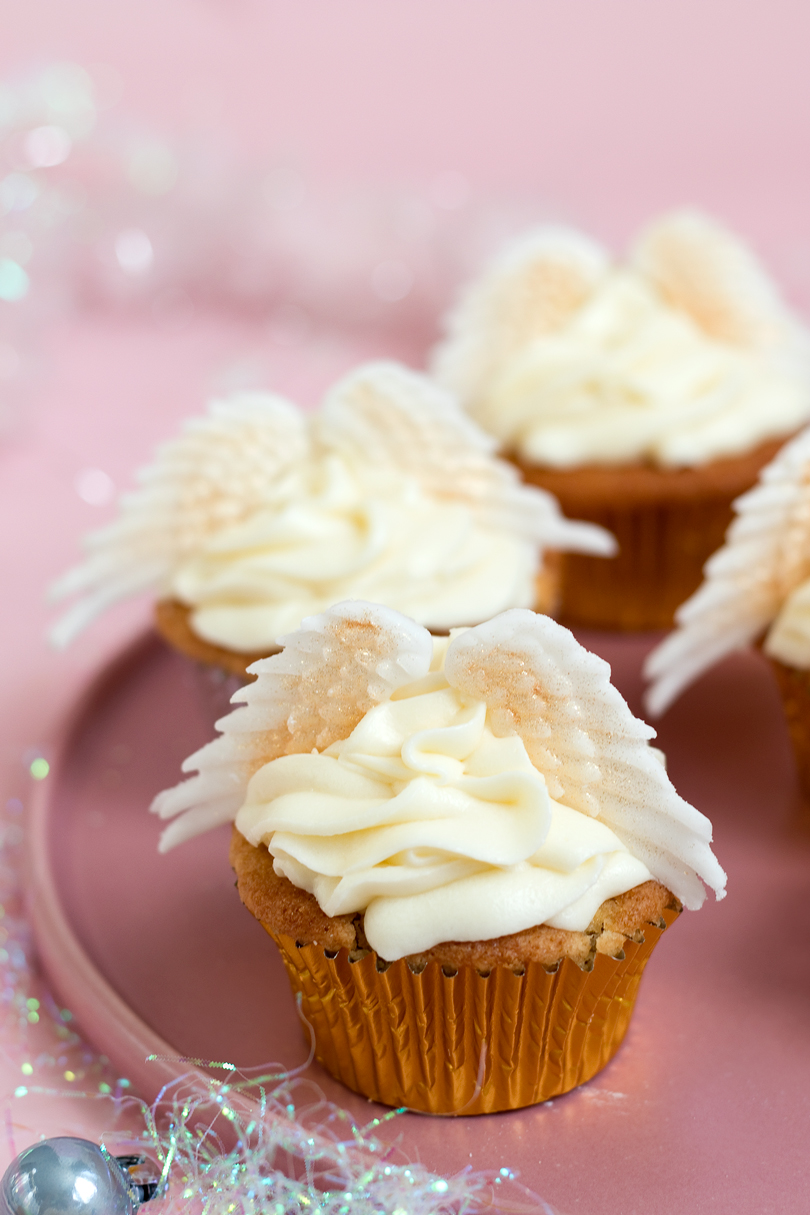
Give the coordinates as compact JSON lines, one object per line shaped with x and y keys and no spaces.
{"x":531,"y":290}
{"x":214,"y":474}
{"x":765,"y":556}
{"x":330,"y":672}
{"x":539,"y":683}
{"x":703,"y":269}
{"x":395,"y":418}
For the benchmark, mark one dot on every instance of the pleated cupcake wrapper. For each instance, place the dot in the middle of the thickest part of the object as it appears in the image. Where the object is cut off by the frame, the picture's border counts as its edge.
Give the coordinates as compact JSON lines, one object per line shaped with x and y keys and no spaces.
{"x":663,"y":547}
{"x":662,"y":551}
{"x":465,"y":1043}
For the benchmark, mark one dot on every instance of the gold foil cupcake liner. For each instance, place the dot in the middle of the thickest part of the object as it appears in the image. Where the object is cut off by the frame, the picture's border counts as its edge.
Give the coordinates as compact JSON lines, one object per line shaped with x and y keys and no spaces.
{"x":464,"y":1042}
{"x":659,"y":564}
{"x":662,"y":551}
{"x":667,"y":525}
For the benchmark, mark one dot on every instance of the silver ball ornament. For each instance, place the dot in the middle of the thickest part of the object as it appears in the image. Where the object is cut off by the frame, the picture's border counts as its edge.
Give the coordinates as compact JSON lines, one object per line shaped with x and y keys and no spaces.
{"x":67,"y":1176}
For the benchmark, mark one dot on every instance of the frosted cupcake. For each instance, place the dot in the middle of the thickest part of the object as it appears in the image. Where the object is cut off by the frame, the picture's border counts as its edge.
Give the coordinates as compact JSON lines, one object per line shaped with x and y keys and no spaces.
{"x":645,"y":395}
{"x":259,"y":514}
{"x":756,"y":590}
{"x":464,"y":847}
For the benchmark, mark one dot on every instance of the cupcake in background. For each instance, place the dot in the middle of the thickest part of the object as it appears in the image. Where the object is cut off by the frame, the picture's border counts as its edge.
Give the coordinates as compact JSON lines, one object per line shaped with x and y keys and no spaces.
{"x":260,"y":514}
{"x":756,"y":589}
{"x":464,"y":848}
{"x":645,"y":395}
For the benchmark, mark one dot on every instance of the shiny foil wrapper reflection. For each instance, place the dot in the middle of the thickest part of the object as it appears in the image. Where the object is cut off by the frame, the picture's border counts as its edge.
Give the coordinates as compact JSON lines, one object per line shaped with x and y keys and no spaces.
{"x":466,"y":1043}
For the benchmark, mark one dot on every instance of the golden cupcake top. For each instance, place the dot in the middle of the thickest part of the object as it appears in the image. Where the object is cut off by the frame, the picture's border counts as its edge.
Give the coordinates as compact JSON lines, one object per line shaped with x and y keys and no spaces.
{"x":460,"y":788}
{"x":259,"y":514}
{"x":756,"y":585}
{"x":681,"y":354}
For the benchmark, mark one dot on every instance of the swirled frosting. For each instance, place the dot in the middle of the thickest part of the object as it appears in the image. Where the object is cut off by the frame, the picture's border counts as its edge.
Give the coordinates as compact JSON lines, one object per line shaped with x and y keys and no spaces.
{"x":336,"y":528}
{"x":433,"y":826}
{"x":680,"y":357}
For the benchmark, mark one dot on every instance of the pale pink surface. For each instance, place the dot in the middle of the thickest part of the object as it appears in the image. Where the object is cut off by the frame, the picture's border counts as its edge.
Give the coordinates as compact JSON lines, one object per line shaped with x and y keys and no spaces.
{"x":602,"y":113}
{"x":704,"y":1105}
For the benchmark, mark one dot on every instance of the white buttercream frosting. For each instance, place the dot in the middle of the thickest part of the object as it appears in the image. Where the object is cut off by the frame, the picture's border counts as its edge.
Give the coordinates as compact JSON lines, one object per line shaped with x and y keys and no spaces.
{"x":681,"y":356}
{"x":756,"y":585}
{"x":434,"y":827}
{"x":259,"y":515}
{"x":338,"y":528}
{"x":472,"y":788}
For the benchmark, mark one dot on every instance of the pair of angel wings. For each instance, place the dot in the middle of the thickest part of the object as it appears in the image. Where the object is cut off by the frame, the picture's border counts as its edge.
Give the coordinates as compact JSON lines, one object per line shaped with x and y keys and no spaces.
{"x":224,"y":466}
{"x":765,"y":556}
{"x":537,"y":682}
{"x":533,"y":290}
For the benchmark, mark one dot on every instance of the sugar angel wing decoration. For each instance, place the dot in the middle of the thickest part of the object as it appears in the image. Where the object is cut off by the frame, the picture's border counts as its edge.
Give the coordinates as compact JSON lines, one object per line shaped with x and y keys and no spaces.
{"x":765,"y":556}
{"x":540,"y":683}
{"x":701,"y":268}
{"x":329,"y":674}
{"x":213,"y":475}
{"x":396,"y":418}
{"x":531,"y":291}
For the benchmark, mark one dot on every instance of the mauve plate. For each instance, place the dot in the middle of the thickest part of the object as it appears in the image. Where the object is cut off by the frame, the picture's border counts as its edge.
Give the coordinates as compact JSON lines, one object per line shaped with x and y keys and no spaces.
{"x":705,"y":1109}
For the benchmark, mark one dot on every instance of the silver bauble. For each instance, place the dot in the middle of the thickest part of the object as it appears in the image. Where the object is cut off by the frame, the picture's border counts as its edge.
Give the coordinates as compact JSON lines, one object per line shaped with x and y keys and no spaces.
{"x":66,"y":1176}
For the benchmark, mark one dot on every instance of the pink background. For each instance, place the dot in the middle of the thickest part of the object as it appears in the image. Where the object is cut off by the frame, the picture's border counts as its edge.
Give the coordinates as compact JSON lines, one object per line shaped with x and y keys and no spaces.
{"x":608,"y":110}
{"x":599,"y":112}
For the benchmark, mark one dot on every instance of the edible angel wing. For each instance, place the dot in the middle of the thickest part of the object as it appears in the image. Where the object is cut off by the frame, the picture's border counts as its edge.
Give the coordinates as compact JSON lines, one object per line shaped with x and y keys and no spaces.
{"x":328,"y":675}
{"x":765,"y":556}
{"x":703,"y":269}
{"x":539,"y":683}
{"x":214,"y":474}
{"x":532,"y":290}
{"x":392,"y":417}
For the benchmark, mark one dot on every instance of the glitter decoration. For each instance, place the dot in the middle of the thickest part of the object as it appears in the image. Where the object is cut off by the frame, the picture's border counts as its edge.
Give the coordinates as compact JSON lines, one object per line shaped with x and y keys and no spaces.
{"x":218,"y":1147}
{"x":39,"y":768}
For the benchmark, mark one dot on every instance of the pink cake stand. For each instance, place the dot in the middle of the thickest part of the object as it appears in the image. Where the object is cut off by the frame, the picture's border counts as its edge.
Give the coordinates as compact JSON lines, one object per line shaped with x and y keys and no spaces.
{"x":706,"y":1106}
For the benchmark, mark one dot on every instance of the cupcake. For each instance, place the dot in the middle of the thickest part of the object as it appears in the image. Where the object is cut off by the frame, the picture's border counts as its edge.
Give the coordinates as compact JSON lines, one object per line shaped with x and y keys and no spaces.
{"x":646,"y":396}
{"x":259,"y":515}
{"x":464,"y":848}
{"x":756,"y":590}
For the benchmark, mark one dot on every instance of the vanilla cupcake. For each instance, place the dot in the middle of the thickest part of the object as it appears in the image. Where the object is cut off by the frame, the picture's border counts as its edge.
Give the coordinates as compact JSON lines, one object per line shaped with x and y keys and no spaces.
{"x":756,"y":589}
{"x":645,"y":395}
{"x":464,"y":848}
{"x":259,"y":514}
